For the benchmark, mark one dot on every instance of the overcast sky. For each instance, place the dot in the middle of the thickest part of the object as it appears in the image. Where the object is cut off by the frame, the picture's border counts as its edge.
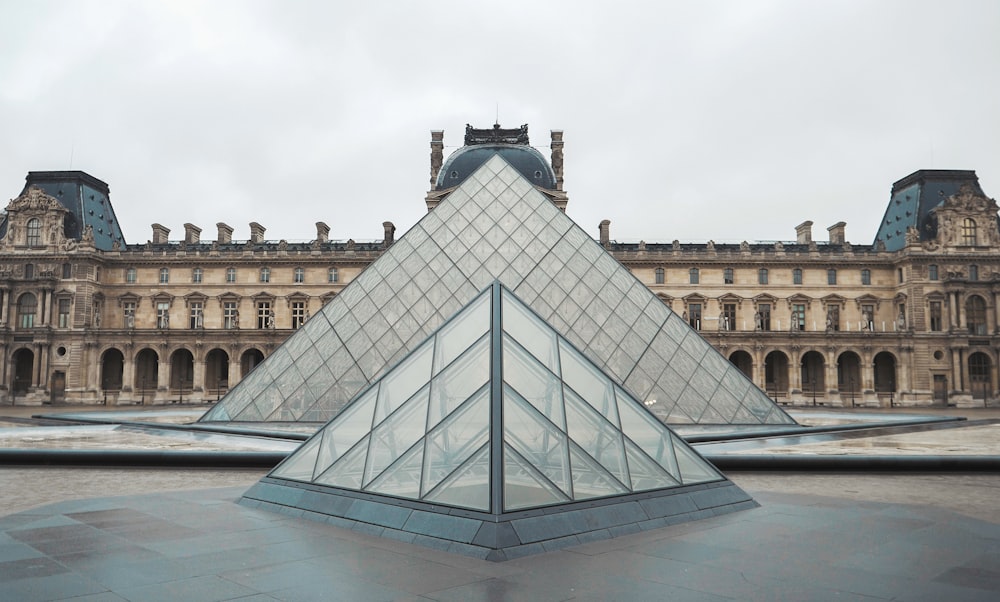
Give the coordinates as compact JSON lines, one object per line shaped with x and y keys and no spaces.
{"x":683,"y":120}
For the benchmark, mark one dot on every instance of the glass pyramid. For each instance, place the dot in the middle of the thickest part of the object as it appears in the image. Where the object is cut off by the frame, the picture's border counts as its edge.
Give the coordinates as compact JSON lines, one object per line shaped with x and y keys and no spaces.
{"x":497,"y":226}
{"x":496,"y":412}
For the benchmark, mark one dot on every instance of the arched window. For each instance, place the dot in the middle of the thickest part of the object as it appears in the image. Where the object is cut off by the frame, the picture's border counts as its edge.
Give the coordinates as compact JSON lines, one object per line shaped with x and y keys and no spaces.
{"x":659,"y":275}
{"x":34,"y":229}
{"x":332,"y":275}
{"x":27,"y":305}
{"x":975,"y":315}
{"x":300,"y":275}
{"x":694,"y":276}
{"x":968,"y":231}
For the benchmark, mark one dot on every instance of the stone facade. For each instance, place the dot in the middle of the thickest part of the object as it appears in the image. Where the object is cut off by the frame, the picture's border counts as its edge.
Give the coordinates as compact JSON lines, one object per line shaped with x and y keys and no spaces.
{"x":810,"y":322}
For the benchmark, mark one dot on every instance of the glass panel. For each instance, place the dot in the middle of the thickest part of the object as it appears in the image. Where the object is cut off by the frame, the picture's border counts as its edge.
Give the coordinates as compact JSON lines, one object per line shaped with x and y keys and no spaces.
{"x":402,"y":479}
{"x":648,"y":434}
{"x":464,"y":377}
{"x":403,"y":382}
{"x":300,"y":465}
{"x":540,"y":443}
{"x":533,"y":382}
{"x":347,"y":429}
{"x":527,"y":330}
{"x":588,"y":382}
{"x":347,"y":471}
{"x":462,"y":332}
{"x":396,"y":434}
{"x":645,"y":473}
{"x":455,"y":439}
{"x":589,"y":478}
{"x":693,"y":468}
{"x":469,"y":486}
{"x":596,"y":436}
{"x":524,"y":487}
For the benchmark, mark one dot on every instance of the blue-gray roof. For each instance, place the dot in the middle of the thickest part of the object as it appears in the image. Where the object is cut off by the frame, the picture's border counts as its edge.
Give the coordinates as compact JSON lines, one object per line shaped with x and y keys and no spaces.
{"x":87,"y":198}
{"x":525,"y":159}
{"x":912,"y":200}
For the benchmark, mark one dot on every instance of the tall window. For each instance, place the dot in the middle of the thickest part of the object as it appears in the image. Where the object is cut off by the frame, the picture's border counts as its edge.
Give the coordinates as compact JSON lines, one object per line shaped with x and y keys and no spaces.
{"x":67,"y":271}
{"x":694,"y":315}
{"x":831,"y":276}
{"x":797,"y":276}
{"x":299,"y":275}
{"x":975,"y":315}
{"x":230,"y":275}
{"x":34,"y":228}
{"x":762,"y":276}
{"x":230,"y":315}
{"x":163,"y":314}
{"x":128,"y":314}
{"x":899,"y":275}
{"x":866,"y":277}
{"x":64,"y":313}
{"x":27,"y":305}
{"x":197,"y":318}
{"x":727,"y":276}
{"x":694,"y":275}
{"x":833,"y":317}
{"x":298,"y":313}
{"x":762,"y":317}
{"x":265,"y":274}
{"x":130,"y":275}
{"x":932,"y":272}
{"x":659,"y":276}
{"x":332,"y":275}
{"x":798,"y":316}
{"x":164,"y":275}
{"x":29,"y":271}
{"x":973,"y":272}
{"x":935,"y":315}
{"x":196,"y":275}
{"x":868,"y":317}
{"x":265,"y":316}
{"x":968,"y":232}
{"x":728,"y":317}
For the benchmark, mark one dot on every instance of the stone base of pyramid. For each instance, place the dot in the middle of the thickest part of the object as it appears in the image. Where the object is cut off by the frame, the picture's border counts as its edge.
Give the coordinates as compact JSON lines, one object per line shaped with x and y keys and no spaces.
{"x":498,"y":537}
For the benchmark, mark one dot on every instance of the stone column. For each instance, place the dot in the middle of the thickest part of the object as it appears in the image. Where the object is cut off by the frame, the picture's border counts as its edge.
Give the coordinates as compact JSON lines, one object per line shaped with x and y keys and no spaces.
{"x":831,"y":375}
{"x":198,"y":377}
{"x":128,"y":370}
{"x":957,"y":376}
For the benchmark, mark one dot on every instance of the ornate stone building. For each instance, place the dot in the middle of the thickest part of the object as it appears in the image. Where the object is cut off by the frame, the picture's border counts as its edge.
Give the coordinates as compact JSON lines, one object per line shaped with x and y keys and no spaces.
{"x":911,"y":319}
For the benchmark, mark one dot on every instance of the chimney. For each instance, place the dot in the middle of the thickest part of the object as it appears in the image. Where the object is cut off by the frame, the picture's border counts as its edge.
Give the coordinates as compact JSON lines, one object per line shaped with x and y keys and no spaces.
{"x":390,"y":233}
{"x":837,"y":233}
{"x":322,"y":232}
{"x":437,"y":154}
{"x":557,"y":157}
{"x":225,"y":233}
{"x":256,"y":232}
{"x":804,"y":233}
{"x":160,"y":234}
{"x":605,"y":229}
{"x":192,"y":234}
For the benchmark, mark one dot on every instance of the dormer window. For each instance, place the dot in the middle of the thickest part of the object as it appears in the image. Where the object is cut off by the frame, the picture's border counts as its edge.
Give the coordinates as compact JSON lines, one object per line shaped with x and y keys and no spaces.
{"x":969,"y":232}
{"x":34,"y":229}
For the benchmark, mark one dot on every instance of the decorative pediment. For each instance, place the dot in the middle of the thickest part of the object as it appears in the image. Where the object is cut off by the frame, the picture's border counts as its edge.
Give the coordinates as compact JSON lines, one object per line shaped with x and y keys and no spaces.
{"x":968,"y":200}
{"x":229,"y":298}
{"x":694,"y":298}
{"x":899,"y":298}
{"x":128,"y":298}
{"x":730,"y":298}
{"x":834,"y":300}
{"x":868,"y":300}
{"x":799,"y":299}
{"x":263,"y":296}
{"x":35,"y":200}
{"x":297,"y":298}
{"x":764,"y":298}
{"x":194,"y":298}
{"x":327,"y":297}
{"x":162,"y":297}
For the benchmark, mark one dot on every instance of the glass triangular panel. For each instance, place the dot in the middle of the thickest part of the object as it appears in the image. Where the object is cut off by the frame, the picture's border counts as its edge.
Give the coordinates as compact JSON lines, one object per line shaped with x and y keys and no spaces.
{"x":402,"y":479}
{"x":647,"y":433}
{"x":533,"y":382}
{"x":539,"y":442}
{"x":596,"y":436}
{"x":644,"y":472}
{"x":588,"y":382}
{"x":349,"y":427}
{"x":403,"y":381}
{"x":694,"y":468}
{"x":453,"y":441}
{"x":468,"y":486}
{"x":461,"y":332}
{"x":525,"y":328}
{"x":300,"y":465}
{"x":459,"y":381}
{"x":524,"y":486}
{"x":590,"y":479}
{"x":348,"y":471}
{"x":396,"y":434}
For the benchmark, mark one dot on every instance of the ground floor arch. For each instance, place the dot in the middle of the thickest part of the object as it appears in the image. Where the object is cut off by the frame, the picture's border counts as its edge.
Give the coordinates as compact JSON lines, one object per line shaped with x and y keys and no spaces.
{"x":112,"y":370}
{"x":147,"y":366}
{"x":742,"y":360}
{"x":813,"y":372}
{"x":181,"y":370}
{"x":251,"y":358}
{"x":776,"y":374}
{"x":217,"y":371}
{"x":980,"y":375}
{"x":884,"y":365}
{"x":24,"y":368}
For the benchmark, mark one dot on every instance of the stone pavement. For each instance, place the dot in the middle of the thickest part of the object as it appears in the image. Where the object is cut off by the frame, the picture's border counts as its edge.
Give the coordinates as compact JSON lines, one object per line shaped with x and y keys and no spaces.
{"x":199,"y":545}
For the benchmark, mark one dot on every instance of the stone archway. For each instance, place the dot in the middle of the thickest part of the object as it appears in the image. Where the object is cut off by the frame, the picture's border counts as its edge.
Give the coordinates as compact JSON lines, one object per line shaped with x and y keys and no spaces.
{"x":182,"y":371}
{"x":24,"y":364}
{"x":147,"y":364}
{"x":250,"y":360}
{"x":849,"y":376}
{"x":813,"y":373}
{"x":217,"y":372}
{"x":980,"y":375}
{"x":884,"y":364}
{"x":742,"y":360}
{"x":112,"y":369}
{"x":776,"y":374}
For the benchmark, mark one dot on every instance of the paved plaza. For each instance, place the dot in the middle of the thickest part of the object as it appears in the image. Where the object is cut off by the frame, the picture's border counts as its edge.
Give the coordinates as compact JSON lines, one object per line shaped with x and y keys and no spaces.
{"x":166,"y":534}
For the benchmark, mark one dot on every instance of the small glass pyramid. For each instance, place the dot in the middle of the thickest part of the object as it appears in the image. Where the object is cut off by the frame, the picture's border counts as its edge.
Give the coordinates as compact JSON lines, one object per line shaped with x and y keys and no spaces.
{"x":496,"y":412}
{"x":497,"y":226}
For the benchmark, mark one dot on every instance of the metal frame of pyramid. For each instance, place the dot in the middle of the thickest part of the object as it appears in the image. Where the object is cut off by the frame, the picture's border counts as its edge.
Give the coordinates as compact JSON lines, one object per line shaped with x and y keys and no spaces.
{"x":496,"y":225}
{"x":497,"y":438}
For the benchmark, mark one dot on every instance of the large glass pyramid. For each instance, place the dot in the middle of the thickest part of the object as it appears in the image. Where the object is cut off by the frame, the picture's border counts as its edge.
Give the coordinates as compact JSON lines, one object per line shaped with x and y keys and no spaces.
{"x":496,"y":415}
{"x":497,"y":226}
